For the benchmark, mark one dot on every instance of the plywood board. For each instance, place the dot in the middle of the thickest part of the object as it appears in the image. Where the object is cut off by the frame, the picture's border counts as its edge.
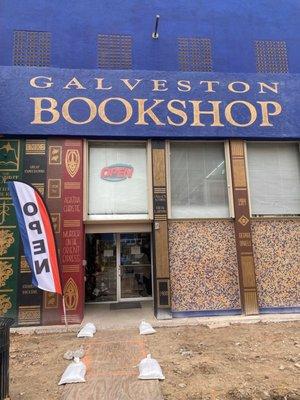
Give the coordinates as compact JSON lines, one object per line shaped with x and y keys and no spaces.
{"x":112,"y":372}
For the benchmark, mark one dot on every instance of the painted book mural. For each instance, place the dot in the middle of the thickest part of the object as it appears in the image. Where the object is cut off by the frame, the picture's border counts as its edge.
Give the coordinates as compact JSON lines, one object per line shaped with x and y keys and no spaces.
{"x":54,"y":168}
{"x":11,"y":166}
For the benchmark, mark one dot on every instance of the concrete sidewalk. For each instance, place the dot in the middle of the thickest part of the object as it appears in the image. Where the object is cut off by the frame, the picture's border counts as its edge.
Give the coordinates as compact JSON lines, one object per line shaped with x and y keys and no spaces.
{"x":105,"y":319}
{"x":111,"y":359}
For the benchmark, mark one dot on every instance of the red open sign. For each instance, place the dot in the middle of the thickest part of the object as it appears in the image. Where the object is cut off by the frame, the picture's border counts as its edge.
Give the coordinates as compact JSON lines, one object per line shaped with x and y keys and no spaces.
{"x":117,"y":172}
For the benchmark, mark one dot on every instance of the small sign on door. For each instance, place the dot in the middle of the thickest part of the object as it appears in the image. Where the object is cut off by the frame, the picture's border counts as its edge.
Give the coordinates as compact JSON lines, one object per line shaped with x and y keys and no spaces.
{"x":135,"y":250}
{"x":108,"y":253}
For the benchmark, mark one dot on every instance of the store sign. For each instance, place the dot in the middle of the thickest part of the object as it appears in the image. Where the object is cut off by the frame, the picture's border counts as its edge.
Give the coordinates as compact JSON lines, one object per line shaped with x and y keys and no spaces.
{"x":116,"y":172}
{"x":148,"y":104}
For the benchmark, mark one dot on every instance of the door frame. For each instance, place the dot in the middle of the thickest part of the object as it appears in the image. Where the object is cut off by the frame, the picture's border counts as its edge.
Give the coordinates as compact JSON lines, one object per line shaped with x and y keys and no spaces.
{"x":118,"y":267}
{"x":118,"y":262}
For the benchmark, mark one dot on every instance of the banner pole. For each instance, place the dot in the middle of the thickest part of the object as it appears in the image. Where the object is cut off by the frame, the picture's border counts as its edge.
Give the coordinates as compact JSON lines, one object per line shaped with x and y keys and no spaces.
{"x":65,"y":311}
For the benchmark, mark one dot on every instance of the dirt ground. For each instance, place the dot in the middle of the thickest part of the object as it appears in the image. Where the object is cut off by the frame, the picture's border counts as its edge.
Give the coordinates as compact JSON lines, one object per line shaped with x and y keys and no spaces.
{"x":37,"y":363}
{"x":238,"y":362}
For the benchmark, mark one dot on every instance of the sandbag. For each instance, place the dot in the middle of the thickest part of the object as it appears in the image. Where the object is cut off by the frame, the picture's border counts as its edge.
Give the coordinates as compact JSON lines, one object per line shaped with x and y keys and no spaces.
{"x":90,"y":326}
{"x":150,"y":369}
{"x":74,"y":373}
{"x":87,"y":331}
{"x":146,"y":328}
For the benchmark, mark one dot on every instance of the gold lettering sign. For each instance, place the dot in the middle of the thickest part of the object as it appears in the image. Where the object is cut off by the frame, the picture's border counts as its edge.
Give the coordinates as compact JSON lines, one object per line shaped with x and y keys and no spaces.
{"x":46,"y":111}
{"x":239,"y":111}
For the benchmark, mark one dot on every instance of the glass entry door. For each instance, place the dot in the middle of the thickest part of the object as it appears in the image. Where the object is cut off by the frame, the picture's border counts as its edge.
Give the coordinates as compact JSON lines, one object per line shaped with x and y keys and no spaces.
{"x":100,"y":273}
{"x":118,"y":267}
{"x":135,"y":266}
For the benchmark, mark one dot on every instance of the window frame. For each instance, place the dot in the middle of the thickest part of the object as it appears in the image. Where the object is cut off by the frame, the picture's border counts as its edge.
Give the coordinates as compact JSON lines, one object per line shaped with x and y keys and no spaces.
{"x":122,"y":218}
{"x":228,"y":179}
{"x":266,"y":216}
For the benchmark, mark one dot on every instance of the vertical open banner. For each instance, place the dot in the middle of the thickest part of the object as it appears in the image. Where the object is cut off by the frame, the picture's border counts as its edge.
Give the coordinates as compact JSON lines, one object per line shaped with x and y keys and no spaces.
{"x":37,"y":236}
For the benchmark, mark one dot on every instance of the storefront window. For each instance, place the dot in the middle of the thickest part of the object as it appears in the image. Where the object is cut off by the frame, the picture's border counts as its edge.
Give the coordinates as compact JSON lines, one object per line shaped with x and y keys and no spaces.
{"x":274,"y":178}
{"x":118,"y":180}
{"x":198,"y":180}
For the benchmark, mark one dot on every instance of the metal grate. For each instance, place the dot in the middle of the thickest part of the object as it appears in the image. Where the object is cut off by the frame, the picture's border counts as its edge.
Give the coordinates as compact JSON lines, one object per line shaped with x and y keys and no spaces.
{"x":194,"y":54}
{"x":271,"y":56}
{"x":32,"y":48}
{"x":114,"y":52}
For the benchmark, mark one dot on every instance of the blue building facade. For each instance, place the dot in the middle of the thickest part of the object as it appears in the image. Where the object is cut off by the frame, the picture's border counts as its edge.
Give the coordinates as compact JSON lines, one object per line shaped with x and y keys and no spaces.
{"x":232,"y":27}
{"x":168,"y":158}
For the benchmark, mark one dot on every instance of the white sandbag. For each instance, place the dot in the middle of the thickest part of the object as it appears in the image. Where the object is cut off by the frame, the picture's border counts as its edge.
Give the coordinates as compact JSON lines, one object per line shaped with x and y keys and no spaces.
{"x":146,"y":328}
{"x":74,"y":373}
{"x":87,"y":331}
{"x":90,"y":326}
{"x":150,"y":369}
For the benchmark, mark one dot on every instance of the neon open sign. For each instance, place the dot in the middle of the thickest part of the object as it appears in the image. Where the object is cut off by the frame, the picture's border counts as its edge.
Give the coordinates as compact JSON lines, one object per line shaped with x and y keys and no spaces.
{"x":116,"y":172}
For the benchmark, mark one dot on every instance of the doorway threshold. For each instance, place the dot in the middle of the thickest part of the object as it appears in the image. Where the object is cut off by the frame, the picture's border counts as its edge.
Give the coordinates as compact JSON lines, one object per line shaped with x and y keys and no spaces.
{"x":125,"y":305}
{"x":105,"y":318}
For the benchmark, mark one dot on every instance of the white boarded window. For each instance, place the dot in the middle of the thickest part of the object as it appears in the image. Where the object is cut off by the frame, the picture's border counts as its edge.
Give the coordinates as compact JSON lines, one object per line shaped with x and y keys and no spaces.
{"x":274,"y":178}
{"x":198,"y":180}
{"x":118,"y":180}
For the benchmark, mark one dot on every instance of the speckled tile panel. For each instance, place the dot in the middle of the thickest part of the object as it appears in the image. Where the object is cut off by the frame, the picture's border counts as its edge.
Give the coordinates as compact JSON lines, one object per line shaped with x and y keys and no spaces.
{"x":203,"y":266}
{"x":276,"y":245}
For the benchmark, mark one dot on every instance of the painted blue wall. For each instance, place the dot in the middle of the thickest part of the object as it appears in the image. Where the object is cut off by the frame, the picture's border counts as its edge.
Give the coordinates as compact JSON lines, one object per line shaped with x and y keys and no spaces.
{"x":232,"y":25}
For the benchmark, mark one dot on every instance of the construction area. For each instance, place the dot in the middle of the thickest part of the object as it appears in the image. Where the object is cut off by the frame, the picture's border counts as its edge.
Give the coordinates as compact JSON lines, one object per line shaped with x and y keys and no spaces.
{"x":224,"y":359}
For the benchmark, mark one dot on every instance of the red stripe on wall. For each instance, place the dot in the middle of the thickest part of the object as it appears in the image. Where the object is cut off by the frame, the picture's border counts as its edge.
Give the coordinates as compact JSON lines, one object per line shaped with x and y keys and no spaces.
{"x":72,"y":243}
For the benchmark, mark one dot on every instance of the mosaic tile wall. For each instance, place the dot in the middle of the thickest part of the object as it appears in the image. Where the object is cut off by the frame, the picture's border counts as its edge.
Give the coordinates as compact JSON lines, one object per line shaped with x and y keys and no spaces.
{"x":276,"y":247}
{"x":203,"y":266}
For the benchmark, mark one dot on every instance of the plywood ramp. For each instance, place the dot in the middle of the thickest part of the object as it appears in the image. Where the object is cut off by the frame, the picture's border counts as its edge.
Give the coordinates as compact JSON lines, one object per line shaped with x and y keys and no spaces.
{"x":111,"y":360}
{"x":114,"y":388}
